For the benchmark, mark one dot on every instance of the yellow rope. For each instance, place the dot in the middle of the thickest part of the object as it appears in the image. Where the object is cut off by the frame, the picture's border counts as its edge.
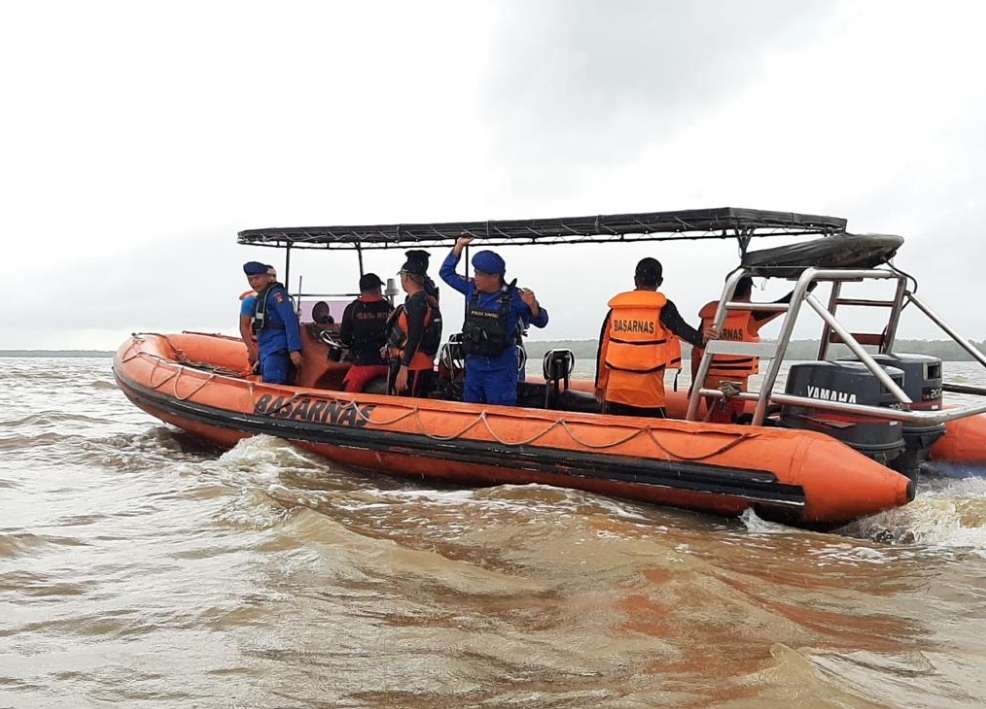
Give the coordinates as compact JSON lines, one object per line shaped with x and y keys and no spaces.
{"x":195,"y":391}
{"x":416,"y":412}
{"x":740,"y":437}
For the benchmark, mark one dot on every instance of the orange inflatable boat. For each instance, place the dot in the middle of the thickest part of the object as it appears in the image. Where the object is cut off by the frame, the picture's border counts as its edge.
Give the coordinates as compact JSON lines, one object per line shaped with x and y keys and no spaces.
{"x":828,"y":449}
{"x":807,"y":478}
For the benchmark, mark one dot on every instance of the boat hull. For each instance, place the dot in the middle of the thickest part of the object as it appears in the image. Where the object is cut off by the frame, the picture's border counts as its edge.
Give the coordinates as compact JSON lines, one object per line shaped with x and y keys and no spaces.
{"x":964,"y":442}
{"x":801,"y":477}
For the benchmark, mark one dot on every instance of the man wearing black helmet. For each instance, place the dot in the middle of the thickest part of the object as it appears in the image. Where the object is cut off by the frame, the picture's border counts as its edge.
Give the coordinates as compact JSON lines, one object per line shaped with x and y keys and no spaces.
{"x":414,"y":331}
{"x":420,"y":256}
{"x":364,"y":331}
{"x":637,"y":343}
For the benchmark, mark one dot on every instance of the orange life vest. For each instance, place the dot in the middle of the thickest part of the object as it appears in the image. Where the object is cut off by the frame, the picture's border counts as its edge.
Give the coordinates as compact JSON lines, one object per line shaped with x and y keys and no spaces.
{"x":738,"y":327}
{"x":636,"y":349}
{"x":673,"y":351}
{"x":424,"y":358}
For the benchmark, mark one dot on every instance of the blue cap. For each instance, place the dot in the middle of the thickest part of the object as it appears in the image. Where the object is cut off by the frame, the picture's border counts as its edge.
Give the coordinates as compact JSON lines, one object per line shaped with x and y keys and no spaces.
{"x":255,"y":268}
{"x":489,"y":262}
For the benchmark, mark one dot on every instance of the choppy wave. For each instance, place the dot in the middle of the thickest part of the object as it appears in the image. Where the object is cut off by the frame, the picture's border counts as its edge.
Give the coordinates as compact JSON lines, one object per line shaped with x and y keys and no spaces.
{"x":50,"y":418}
{"x":15,"y":544}
{"x":949,"y":513}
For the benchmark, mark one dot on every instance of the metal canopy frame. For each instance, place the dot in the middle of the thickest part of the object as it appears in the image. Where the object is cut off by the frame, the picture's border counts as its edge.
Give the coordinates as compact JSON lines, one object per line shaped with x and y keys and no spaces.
{"x":832,"y":331}
{"x":721,"y":223}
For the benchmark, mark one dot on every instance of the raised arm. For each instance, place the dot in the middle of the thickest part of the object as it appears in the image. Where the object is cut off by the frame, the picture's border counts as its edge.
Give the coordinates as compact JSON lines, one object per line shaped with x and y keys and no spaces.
{"x":447,"y":271}
{"x":525,"y":304}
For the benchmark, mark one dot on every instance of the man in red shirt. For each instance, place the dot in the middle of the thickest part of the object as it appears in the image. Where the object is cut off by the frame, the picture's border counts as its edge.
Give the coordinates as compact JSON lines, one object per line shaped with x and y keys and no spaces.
{"x":364,"y":331}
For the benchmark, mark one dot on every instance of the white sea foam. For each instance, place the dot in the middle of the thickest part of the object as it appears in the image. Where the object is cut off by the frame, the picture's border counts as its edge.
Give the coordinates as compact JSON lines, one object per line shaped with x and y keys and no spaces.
{"x":757,"y":525}
{"x":946,"y":513}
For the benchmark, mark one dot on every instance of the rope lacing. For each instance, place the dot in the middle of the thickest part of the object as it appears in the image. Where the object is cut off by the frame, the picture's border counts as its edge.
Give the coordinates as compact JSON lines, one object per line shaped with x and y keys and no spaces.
{"x":416,"y":413}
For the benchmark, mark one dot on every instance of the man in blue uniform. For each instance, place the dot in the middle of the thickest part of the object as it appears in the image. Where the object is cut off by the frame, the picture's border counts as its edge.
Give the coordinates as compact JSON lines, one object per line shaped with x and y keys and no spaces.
{"x":494,"y":312}
{"x":275,"y":324}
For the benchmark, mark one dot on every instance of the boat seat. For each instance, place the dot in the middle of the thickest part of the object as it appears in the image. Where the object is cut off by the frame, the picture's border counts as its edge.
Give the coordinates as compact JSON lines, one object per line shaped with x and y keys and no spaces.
{"x":531,"y":395}
{"x":581,"y":401}
{"x":319,"y":370}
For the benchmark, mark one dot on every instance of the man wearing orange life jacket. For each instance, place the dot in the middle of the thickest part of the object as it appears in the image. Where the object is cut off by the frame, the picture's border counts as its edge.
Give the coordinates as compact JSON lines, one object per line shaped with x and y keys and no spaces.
{"x":414,"y":332}
{"x":739,"y":326}
{"x":638,"y":342}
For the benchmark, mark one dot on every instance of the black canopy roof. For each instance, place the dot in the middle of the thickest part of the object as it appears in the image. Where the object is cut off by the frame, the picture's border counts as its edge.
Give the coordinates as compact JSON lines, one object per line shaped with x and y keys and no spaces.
{"x":725,"y":222}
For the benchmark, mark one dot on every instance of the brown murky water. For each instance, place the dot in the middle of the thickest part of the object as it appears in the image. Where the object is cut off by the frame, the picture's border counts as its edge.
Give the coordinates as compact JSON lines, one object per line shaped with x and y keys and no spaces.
{"x":141,"y":569}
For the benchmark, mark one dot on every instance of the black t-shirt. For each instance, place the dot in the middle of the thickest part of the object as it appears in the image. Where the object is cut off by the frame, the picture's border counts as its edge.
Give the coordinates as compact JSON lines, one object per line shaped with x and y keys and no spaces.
{"x":672,"y":320}
{"x":364,"y":330}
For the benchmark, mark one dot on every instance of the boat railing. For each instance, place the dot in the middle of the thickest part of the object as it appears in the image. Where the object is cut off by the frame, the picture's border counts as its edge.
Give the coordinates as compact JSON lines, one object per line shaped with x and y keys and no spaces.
{"x":833,"y":331}
{"x":390,"y":292}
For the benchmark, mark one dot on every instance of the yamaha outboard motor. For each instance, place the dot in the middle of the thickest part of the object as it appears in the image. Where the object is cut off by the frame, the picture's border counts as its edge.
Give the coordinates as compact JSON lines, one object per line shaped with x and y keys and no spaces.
{"x":848,"y":383}
{"x":923,"y":383}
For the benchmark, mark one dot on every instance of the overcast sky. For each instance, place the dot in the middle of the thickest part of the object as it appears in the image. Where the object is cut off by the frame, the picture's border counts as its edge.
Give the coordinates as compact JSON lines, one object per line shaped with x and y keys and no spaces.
{"x":136,"y":139}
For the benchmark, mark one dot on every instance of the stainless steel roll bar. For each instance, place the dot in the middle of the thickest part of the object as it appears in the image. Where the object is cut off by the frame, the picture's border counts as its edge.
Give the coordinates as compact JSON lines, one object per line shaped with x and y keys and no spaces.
{"x":775,"y":351}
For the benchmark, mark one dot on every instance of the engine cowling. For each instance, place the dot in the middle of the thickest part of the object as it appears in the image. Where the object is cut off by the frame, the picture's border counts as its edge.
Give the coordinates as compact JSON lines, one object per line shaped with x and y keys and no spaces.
{"x":923,"y":384}
{"x":848,"y":383}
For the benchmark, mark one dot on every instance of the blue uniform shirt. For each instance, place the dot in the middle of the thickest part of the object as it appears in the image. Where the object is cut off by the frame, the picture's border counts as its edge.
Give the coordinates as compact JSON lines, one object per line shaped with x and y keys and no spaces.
{"x":520,"y":312}
{"x":247,"y":306}
{"x":281,"y":331}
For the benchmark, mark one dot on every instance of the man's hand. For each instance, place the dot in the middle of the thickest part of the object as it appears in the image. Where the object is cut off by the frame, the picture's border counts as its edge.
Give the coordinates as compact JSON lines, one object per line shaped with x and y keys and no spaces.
{"x":462,"y":242}
{"x":252,"y":356}
{"x":527,"y":295}
{"x":709,"y":333}
{"x":296,"y":359}
{"x":400,"y":381}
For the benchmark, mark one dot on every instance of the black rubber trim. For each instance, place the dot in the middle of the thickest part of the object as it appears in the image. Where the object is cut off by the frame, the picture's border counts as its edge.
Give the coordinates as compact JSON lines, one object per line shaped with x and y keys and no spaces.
{"x":760,"y":486}
{"x":637,"y":342}
{"x":637,"y":371}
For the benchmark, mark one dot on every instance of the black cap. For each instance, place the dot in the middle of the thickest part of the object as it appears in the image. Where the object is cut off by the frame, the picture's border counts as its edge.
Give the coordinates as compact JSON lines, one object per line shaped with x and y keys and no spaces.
{"x":369,"y":281}
{"x":648,"y":271}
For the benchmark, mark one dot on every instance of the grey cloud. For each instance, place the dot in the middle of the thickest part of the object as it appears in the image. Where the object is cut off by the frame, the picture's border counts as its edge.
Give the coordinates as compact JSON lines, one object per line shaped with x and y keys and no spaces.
{"x":579,"y":83}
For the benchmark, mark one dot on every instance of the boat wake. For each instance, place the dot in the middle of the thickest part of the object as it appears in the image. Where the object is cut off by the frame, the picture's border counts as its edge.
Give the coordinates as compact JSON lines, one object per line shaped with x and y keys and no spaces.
{"x":946,"y":514}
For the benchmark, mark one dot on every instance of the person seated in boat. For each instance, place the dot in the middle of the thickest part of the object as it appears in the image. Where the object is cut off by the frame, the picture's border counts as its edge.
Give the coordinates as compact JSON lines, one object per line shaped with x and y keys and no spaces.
{"x":275,"y":324}
{"x":414,"y":332}
{"x":495,"y":310}
{"x":364,"y":332}
{"x":322,"y":314}
{"x":248,"y":301}
{"x":739,"y":326}
{"x":323,"y":328}
{"x":637,"y":343}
